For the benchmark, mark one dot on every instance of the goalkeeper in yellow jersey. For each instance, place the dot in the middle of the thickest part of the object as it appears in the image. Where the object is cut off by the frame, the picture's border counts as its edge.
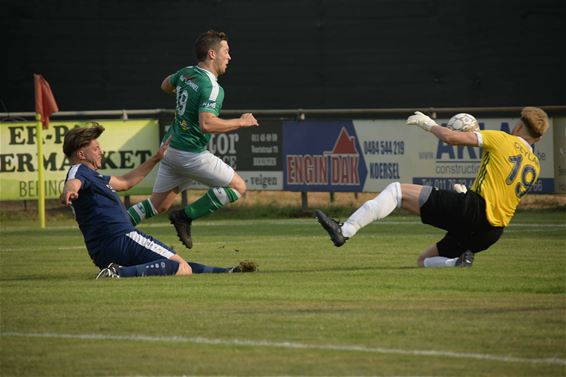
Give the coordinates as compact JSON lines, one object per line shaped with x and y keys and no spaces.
{"x":474,"y":220}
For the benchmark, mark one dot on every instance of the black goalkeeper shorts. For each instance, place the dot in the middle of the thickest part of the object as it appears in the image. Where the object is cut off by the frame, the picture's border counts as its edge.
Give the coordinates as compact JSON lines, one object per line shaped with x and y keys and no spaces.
{"x":463,"y":217}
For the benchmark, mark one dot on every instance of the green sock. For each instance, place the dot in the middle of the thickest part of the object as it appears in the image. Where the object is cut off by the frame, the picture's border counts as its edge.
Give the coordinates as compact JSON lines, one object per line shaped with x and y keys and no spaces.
{"x":141,"y":211}
{"x":214,"y":199}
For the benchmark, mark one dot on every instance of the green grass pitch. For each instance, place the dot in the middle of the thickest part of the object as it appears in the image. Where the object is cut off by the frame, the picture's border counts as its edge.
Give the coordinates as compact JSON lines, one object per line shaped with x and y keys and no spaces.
{"x":312,"y":309}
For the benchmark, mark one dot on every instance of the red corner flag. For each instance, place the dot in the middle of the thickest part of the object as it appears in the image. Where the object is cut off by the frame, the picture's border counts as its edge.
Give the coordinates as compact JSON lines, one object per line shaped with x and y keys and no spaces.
{"x":44,"y":101}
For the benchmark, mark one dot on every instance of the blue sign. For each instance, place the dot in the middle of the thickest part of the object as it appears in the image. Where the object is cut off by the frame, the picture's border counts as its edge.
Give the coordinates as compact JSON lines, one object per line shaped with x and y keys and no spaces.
{"x":322,"y":156}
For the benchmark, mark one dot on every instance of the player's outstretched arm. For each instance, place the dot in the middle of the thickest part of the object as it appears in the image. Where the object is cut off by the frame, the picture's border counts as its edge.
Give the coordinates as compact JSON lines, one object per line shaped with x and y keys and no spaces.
{"x":70,"y":192}
{"x":455,"y":137}
{"x":212,"y":124}
{"x":446,"y":135}
{"x":133,"y":177}
{"x":423,"y":121}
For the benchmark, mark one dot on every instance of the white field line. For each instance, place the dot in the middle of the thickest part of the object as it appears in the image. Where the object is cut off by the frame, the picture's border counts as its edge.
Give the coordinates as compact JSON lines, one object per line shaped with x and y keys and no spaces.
{"x":288,"y":345}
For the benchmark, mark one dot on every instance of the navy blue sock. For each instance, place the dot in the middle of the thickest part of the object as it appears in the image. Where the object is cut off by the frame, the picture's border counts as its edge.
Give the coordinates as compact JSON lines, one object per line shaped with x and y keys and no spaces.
{"x":203,"y":269}
{"x":157,"y":267}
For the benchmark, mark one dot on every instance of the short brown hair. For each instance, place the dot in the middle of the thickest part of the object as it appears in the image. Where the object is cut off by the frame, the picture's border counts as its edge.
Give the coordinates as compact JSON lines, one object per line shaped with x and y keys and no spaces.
{"x":536,"y":120}
{"x":206,"y":41}
{"x":79,"y":137}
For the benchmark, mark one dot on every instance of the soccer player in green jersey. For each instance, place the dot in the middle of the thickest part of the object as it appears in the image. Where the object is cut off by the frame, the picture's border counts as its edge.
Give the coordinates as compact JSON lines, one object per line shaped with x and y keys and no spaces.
{"x":474,"y":220}
{"x":199,"y":100}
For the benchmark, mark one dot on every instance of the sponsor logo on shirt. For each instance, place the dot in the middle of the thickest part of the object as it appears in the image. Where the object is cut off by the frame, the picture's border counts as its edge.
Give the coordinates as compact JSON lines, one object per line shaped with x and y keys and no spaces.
{"x":193,"y":85}
{"x":184,"y":125}
{"x":209,"y":104}
{"x":189,"y":81}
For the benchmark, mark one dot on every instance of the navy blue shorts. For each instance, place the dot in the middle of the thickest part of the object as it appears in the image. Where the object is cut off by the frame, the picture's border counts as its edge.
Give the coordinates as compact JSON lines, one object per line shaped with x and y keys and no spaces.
{"x":463,"y":216}
{"x":130,"y":249}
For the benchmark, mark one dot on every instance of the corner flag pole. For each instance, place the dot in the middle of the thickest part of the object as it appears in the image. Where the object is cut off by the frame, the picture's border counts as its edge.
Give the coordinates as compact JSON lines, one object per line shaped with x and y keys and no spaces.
{"x":45,"y":105}
{"x":40,"y":171}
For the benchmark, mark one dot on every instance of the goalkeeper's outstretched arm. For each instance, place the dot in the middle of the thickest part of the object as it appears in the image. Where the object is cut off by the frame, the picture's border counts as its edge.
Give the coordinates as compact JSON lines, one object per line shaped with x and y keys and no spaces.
{"x":446,"y":135}
{"x":455,"y":137}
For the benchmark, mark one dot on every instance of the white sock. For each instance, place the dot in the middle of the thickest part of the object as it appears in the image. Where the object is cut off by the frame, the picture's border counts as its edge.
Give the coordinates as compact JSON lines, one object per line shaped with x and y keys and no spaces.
{"x":225,"y":195}
{"x":374,"y":209}
{"x":141,"y":211}
{"x":439,"y":262}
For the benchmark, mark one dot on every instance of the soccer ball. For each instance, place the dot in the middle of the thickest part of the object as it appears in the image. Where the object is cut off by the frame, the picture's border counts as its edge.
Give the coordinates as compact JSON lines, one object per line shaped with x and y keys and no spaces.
{"x":463,"y":122}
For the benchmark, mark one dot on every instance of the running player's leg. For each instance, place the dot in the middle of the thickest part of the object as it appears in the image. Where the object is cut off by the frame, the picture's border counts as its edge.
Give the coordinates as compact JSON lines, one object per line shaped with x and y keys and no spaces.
{"x":165,"y":190}
{"x":214,"y":199}
{"x":238,"y":184}
{"x":164,"y":200}
{"x":226,"y":186}
{"x":157,"y":203}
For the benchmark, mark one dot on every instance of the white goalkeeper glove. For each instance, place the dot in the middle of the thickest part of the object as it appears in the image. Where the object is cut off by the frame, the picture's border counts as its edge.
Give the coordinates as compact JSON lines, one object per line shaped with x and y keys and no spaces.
{"x":423,"y":121}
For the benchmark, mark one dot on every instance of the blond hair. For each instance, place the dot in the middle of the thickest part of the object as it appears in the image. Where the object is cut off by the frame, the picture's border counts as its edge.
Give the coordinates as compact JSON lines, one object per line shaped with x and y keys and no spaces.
{"x":79,"y":137}
{"x":535,"y":120}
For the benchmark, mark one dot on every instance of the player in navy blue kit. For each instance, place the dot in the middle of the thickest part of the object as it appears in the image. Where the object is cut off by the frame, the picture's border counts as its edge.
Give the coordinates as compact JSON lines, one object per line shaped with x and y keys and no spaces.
{"x":113,"y":243}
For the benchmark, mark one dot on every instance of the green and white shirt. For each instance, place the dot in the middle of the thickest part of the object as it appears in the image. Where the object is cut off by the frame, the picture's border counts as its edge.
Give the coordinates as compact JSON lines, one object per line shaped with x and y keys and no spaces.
{"x":197,"y":91}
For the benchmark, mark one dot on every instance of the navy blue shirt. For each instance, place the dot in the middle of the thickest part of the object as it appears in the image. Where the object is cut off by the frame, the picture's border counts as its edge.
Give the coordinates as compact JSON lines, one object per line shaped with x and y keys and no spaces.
{"x":98,"y":209}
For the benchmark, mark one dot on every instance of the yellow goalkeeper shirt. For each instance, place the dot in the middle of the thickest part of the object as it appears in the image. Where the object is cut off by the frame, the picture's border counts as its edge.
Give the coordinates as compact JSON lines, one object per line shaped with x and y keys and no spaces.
{"x":509,"y":168}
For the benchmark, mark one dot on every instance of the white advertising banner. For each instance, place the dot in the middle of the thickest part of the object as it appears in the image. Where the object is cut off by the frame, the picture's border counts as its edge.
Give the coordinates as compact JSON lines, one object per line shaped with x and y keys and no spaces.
{"x":394,"y":151}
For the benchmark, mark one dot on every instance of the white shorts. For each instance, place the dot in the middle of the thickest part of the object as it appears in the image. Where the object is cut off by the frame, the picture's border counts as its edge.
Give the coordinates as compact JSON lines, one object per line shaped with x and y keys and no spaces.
{"x":179,"y":168}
